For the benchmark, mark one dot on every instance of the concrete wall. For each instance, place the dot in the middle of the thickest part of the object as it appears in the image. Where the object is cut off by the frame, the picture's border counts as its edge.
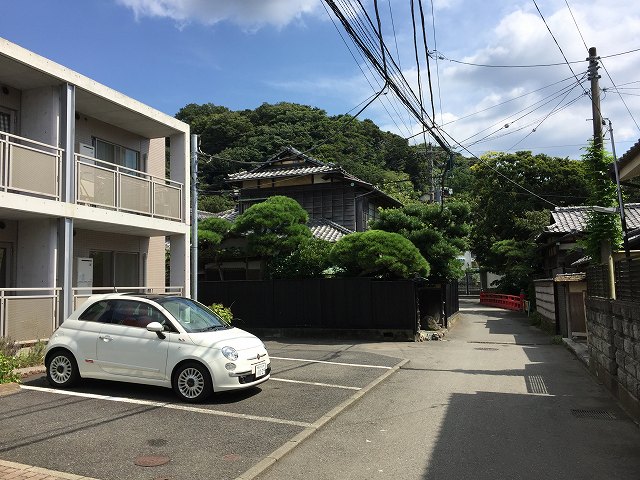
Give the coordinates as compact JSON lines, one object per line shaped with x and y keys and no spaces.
{"x":39,"y":114}
{"x":35,"y":256}
{"x":614,"y":348}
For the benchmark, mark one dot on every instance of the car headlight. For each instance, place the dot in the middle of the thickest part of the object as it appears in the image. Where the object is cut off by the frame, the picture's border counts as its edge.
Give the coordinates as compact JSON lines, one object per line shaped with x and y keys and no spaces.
{"x":230,"y":353}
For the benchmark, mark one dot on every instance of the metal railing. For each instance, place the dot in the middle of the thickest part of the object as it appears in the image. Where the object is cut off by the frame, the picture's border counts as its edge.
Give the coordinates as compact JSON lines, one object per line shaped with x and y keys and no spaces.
{"x":30,"y":167}
{"x":81,"y":294}
{"x":107,"y":185}
{"x":28,"y":314}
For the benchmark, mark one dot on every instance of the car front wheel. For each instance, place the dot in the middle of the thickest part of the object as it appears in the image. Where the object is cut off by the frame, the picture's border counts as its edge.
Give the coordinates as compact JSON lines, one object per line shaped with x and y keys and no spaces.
{"x":62,"y":369}
{"x":192,"y":382}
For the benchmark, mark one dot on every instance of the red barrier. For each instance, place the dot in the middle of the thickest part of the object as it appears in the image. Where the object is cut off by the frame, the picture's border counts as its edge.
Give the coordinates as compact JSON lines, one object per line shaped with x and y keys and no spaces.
{"x":510,"y":302}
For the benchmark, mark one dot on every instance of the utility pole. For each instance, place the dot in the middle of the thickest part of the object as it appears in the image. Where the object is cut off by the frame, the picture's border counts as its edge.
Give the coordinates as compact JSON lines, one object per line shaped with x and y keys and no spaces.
{"x":194,"y":217}
{"x":595,"y":98}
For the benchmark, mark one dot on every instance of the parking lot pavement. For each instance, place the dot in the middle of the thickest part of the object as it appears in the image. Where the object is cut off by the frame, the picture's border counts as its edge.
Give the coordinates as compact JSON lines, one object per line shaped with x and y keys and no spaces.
{"x":102,"y":429}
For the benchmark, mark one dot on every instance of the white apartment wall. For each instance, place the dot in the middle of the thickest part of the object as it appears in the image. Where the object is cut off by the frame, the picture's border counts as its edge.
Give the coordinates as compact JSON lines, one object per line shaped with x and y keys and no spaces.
{"x":156,"y":262}
{"x":36,"y":248}
{"x":88,"y":127}
{"x":156,"y":159}
{"x":39,"y":114}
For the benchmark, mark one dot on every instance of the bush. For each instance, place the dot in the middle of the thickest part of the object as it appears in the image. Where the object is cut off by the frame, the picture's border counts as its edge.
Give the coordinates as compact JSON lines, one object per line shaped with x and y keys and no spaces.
{"x":33,"y":357}
{"x":8,"y":347}
{"x":223,"y":312}
{"x":8,"y":365}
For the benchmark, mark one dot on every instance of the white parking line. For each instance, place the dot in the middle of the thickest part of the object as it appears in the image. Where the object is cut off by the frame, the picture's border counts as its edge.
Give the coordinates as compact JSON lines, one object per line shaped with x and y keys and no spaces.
{"x":314,"y":383}
{"x":331,"y":363}
{"x":171,"y":406}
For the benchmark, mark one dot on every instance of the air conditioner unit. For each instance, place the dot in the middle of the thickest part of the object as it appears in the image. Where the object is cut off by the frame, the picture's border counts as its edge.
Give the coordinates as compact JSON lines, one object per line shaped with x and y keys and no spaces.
{"x":86,"y":150}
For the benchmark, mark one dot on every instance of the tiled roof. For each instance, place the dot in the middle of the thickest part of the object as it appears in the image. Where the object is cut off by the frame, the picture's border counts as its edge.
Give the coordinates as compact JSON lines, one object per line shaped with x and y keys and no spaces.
{"x":324,"y":229}
{"x":574,"y":219}
{"x":320,"y":227}
{"x":630,"y":154}
{"x":281,"y":172}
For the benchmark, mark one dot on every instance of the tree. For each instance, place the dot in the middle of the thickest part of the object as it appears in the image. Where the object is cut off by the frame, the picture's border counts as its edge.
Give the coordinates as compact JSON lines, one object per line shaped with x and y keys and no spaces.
{"x":501,"y":209}
{"x":309,"y":260}
{"x":274,"y":228}
{"x":439,"y":233}
{"x":214,"y":203}
{"x":379,"y":254}
{"x":211,"y":232}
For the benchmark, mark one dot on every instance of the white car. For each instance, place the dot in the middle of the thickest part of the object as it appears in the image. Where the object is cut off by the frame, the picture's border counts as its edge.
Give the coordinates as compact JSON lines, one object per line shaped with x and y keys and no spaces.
{"x":159,"y":340}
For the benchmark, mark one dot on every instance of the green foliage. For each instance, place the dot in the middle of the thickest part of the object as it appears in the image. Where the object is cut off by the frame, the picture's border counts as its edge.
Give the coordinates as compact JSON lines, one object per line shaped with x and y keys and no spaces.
{"x":506,"y":219}
{"x":211,"y":233}
{"x":359,"y":146}
{"x":601,"y":227}
{"x":310,"y":260}
{"x":223,"y":312}
{"x":379,"y":254}
{"x":33,"y":357}
{"x":8,"y":364}
{"x":214,"y":203}
{"x":274,"y":228}
{"x":439,"y":233}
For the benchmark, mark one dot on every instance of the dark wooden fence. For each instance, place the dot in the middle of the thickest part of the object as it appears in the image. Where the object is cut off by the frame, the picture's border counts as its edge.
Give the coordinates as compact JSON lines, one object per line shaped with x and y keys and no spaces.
{"x":627,"y":275}
{"x":383,"y":308}
{"x":598,"y":281}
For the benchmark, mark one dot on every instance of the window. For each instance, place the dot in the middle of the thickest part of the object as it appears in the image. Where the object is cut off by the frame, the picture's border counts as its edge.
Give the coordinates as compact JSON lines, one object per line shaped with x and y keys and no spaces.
{"x":117,"y":154}
{"x":115,"y":269}
{"x":7,"y":120}
{"x":98,"y":312}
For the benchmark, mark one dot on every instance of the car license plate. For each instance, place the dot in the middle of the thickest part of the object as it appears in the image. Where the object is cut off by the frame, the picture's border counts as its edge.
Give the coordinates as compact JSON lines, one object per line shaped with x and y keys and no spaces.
{"x":261,"y":369}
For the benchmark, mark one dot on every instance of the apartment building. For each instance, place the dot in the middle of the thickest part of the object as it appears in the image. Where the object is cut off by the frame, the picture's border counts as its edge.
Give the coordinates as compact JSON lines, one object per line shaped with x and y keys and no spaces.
{"x":93,"y":187}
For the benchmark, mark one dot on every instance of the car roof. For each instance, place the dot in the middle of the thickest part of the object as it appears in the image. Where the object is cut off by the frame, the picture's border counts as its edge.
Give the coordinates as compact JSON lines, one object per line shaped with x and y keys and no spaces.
{"x":130,"y":295}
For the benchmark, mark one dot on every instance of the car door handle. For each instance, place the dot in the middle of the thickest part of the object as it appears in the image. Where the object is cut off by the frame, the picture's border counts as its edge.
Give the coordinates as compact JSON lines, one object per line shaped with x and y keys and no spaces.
{"x":105,"y":338}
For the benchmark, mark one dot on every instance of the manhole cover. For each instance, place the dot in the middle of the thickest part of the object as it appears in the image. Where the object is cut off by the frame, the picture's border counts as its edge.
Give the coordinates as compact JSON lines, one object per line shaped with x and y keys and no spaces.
{"x":593,"y":413}
{"x":151,"y":460}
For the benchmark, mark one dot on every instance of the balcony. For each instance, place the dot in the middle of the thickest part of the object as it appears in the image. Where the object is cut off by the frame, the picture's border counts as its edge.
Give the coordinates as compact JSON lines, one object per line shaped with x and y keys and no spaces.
{"x":29,"y":167}
{"x":33,"y":168}
{"x":106,"y":185}
{"x":28,"y":314}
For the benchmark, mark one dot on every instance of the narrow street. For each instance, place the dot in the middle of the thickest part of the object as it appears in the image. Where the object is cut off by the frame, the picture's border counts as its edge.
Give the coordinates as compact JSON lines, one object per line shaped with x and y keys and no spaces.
{"x":495,"y":400}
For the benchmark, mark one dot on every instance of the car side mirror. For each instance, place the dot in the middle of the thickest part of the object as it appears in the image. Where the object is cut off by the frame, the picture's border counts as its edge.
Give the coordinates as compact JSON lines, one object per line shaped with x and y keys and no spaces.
{"x":157,"y":328}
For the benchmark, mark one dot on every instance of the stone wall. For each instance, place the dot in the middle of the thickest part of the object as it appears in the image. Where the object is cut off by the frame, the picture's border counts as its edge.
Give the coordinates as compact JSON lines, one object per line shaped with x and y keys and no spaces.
{"x":614,"y":348}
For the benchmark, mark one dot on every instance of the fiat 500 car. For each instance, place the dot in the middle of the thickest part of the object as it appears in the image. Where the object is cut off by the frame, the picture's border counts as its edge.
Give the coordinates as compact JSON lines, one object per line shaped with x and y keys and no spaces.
{"x":158,"y":340}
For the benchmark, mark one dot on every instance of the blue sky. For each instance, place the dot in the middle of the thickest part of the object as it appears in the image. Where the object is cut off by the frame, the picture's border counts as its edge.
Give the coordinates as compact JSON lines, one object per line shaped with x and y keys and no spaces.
{"x":241,"y":53}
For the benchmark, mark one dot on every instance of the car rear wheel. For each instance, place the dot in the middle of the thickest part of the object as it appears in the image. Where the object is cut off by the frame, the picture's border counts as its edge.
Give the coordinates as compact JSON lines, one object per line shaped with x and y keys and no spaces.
{"x":192,"y":382}
{"x":62,"y":369}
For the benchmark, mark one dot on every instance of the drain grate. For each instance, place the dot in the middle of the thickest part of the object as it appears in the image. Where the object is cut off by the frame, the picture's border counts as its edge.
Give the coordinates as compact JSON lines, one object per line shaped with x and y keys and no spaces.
{"x":486,"y":349}
{"x":597,"y":413}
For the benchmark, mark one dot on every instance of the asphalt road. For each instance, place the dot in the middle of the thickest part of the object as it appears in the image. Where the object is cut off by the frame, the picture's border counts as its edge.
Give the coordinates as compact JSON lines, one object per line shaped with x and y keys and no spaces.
{"x":102,"y":429}
{"x":494,"y":401}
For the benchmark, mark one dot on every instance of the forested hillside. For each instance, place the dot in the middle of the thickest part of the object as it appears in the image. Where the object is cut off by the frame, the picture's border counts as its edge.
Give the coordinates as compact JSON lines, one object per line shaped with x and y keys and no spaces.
{"x":237,"y":138}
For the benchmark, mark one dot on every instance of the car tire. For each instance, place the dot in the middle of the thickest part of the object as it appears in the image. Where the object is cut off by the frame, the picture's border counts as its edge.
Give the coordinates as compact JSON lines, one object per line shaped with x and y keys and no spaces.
{"x":62,"y":369}
{"x":192,"y":382}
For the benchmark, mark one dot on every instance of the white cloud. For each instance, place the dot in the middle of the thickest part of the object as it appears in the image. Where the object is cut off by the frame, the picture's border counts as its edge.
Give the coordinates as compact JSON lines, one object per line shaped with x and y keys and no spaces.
{"x":249,"y":14}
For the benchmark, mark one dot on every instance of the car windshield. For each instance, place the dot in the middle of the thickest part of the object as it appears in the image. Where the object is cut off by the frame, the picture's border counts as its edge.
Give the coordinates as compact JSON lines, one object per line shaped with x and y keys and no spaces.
{"x":193,"y":316}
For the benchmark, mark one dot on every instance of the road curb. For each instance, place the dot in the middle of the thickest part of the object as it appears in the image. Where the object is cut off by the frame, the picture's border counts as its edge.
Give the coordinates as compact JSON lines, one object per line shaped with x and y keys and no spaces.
{"x":23,"y":471}
{"x":283,"y":450}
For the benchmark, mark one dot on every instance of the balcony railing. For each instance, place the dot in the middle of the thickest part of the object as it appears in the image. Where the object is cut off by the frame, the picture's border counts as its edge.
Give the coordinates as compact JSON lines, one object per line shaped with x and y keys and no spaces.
{"x":28,"y":314}
{"x":106,"y":185}
{"x":30,"y":167}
